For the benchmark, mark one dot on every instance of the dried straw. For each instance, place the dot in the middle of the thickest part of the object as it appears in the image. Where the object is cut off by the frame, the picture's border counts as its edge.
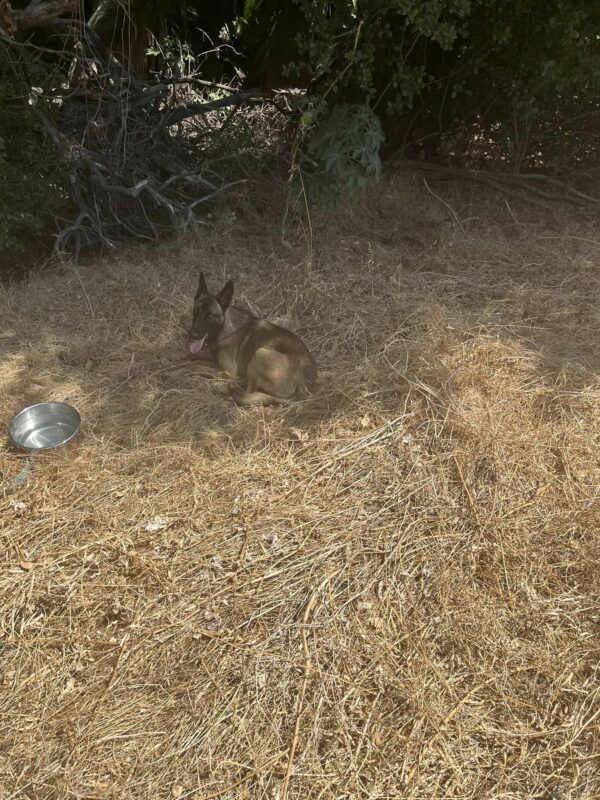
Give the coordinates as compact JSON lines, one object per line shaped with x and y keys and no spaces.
{"x":389,"y":590}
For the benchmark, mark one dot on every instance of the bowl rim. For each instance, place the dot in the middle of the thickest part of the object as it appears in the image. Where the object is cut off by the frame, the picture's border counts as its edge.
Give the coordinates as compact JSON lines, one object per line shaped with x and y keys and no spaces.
{"x":22,"y":446}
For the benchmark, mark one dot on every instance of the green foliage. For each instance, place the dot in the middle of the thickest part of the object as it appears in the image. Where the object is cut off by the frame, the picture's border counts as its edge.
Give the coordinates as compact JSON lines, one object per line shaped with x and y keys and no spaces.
{"x":551,"y":46}
{"x":342,"y":152}
{"x":431,"y":68}
{"x":30,"y":177}
{"x":172,"y":56}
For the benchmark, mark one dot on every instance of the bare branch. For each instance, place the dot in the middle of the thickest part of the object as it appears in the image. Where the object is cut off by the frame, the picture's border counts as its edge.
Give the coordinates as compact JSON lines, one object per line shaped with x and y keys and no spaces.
{"x":41,"y":15}
{"x":101,"y":11}
{"x":129,"y":173}
{"x":199,"y":82}
{"x":514,"y":184}
{"x":192,"y":110}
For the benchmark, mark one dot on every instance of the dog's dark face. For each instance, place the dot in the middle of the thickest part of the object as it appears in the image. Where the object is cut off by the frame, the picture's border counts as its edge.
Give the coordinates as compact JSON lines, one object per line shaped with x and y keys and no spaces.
{"x":209,"y":314}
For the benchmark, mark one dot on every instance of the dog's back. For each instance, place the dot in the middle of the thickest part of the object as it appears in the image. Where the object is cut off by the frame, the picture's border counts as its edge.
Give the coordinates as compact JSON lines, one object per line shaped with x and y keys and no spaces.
{"x":275,"y":364}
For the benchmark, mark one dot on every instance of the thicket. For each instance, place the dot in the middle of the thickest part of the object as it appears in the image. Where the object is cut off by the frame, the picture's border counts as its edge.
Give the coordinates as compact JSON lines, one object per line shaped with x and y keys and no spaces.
{"x":122,"y":118}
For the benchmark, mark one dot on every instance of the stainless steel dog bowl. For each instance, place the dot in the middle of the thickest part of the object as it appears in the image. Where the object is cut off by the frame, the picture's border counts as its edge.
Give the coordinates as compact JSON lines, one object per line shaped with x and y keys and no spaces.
{"x":44,"y":425}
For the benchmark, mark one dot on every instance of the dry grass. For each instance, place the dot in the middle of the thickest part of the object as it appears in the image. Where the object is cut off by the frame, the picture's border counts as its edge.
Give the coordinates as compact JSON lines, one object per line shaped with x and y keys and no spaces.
{"x":388,"y":591}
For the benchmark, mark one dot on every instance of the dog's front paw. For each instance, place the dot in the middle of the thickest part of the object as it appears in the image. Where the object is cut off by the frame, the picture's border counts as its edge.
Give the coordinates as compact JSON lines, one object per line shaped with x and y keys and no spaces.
{"x":223,"y":389}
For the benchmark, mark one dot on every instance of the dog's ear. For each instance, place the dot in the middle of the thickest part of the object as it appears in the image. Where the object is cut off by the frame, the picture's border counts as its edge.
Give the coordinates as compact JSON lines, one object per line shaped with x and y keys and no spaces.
{"x":225,"y":296}
{"x":202,"y":287}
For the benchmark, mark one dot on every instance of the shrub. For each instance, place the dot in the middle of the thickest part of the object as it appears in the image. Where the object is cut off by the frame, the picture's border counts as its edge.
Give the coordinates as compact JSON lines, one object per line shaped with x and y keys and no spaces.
{"x":432,"y":69}
{"x":342,"y":151}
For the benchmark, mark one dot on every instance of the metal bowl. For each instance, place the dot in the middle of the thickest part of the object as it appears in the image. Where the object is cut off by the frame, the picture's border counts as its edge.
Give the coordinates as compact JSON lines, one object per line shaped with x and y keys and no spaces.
{"x":44,"y":425}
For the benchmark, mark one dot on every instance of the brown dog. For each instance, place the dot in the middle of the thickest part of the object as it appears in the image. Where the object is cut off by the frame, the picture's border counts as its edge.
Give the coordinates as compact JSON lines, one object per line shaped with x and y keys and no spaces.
{"x":273,"y":362}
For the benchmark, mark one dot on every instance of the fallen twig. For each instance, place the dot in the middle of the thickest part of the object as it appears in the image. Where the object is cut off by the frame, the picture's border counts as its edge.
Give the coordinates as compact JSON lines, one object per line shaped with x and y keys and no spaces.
{"x":301,"y":694}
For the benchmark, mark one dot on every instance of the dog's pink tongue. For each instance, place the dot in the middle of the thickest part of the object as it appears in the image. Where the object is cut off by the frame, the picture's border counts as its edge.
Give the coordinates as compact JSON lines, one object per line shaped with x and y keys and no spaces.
{"x":196,"y":345}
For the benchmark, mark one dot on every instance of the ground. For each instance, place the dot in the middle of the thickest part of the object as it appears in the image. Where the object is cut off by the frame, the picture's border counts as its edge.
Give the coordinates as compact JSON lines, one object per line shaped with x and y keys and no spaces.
{"x":389,"y":590}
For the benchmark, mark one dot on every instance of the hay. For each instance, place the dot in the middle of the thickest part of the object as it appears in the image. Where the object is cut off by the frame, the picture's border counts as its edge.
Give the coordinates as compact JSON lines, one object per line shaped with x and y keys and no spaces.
{"x":390,"y":590}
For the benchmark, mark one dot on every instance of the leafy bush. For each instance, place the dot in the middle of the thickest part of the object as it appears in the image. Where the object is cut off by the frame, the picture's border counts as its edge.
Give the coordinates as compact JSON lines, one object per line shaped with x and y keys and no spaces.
{"x":342,"y":151}
{"x":432,"y":69}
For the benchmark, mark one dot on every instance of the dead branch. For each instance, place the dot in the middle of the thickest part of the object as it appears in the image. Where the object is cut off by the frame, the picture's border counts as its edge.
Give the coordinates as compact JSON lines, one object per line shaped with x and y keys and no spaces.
{"x":42,"y":15}
{"x":193,"y":81}
{"x":132,"y":172}
{"x":515,"y":185}
{"x":184,"y":112}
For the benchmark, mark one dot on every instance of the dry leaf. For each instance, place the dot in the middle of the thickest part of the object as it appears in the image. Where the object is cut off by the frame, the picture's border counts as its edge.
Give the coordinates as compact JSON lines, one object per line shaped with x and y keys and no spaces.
{"x":26,"y":565}
{"x":377,"y":738}
{"x":261,"y":680}
{"x":299,"y":434}
{"x":156,"y":524}
{"x":69,"y":686}
{"x":204,"y":633}
{"x":177,"y":791}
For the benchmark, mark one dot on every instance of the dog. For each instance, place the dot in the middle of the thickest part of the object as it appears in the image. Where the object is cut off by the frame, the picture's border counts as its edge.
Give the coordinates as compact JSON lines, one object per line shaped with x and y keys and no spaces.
{"x":271,"y":362}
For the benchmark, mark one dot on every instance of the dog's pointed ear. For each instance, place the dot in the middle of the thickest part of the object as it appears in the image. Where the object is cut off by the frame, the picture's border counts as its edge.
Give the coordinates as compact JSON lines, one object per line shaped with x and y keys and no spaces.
{"x":225,"y":296}
{"x":202,"y":287}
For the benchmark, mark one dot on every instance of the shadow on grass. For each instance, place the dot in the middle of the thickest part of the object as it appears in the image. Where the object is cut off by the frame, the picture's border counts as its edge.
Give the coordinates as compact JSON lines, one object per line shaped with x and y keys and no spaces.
{"x":390,"y":288}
